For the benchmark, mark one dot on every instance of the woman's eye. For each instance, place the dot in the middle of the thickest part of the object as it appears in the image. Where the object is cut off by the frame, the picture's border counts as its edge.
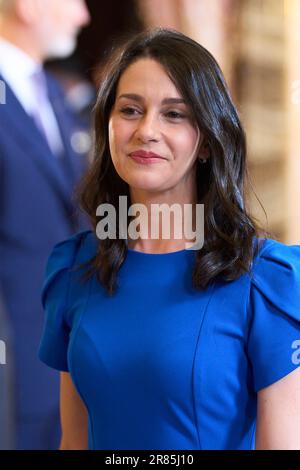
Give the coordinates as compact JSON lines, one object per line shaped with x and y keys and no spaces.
{"x":175,"y":115}
{"x":129,"y":111}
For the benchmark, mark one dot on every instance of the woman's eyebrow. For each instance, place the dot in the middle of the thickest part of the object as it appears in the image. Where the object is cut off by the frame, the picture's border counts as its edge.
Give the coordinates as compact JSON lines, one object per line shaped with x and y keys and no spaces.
{"x":139,"y":98}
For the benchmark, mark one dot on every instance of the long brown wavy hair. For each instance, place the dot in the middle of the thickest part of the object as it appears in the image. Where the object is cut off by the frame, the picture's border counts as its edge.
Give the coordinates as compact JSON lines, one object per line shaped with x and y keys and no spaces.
{"x":230,"y":231}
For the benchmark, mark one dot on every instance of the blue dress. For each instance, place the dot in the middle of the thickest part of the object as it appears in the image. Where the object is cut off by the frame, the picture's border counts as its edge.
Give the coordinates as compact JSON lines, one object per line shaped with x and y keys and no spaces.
{"x":161,"y":365}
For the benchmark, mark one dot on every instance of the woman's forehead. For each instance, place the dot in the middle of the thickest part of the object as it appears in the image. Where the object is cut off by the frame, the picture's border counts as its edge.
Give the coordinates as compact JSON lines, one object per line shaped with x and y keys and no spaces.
{"x":145,"y":77}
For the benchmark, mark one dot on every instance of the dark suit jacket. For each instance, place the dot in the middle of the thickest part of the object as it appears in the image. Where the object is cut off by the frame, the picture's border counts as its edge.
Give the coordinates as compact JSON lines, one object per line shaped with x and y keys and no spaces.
{"x":36,"y":212}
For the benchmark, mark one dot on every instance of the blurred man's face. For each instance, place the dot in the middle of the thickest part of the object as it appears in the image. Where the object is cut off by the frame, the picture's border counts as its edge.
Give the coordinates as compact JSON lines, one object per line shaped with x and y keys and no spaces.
{"x":59,"y":26}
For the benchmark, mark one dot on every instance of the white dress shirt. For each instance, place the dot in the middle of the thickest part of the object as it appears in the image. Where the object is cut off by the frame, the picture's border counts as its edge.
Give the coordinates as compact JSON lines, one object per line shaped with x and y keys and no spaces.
{"x":17,"y":68}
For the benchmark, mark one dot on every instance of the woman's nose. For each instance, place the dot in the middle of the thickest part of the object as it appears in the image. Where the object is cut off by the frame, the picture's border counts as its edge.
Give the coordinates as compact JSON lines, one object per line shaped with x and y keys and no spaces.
{"x":148,"y":128}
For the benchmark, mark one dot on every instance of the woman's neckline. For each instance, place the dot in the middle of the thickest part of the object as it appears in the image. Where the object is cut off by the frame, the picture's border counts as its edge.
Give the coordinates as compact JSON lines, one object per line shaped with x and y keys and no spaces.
{"x":169,"y":253}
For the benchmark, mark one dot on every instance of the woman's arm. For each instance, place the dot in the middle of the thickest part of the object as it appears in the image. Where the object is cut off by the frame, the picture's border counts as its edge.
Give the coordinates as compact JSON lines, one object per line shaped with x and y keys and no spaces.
{"x":278,"y":414}
{"x":74,"y":417}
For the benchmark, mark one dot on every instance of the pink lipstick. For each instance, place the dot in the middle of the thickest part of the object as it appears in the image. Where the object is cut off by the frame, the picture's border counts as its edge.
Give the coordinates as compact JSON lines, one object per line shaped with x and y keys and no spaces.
{"x":145,"y":158}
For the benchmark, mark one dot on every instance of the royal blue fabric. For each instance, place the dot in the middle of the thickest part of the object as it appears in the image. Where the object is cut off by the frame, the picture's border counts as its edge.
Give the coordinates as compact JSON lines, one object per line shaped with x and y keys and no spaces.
{"x":161,"y":365}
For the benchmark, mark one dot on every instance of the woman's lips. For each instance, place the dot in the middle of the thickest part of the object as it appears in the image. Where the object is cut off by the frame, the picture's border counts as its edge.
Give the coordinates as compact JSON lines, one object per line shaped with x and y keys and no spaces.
{"x":140,"y":156}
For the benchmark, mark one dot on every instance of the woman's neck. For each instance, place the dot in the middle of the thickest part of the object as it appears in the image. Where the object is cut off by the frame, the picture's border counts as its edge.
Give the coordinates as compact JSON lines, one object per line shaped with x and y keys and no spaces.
{"x":159,"y":227}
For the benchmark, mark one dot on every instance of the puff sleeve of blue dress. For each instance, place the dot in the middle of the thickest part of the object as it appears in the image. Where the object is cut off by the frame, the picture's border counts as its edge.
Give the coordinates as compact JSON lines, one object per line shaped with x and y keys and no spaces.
{"x":160,"y":365}
{"x":55,"y":300}
{"x":274,"y":336}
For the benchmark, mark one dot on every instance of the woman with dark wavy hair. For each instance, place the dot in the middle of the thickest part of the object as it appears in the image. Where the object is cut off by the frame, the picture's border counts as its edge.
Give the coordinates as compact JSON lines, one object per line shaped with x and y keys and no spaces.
{"x":165,"y":342}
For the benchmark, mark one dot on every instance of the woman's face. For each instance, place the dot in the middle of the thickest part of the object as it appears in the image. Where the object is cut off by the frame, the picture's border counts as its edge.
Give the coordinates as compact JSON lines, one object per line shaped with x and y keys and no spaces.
{"x":152,"y":136}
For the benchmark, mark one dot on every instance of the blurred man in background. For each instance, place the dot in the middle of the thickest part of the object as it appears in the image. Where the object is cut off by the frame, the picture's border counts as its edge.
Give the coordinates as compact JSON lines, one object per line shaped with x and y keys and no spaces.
{"x":40,"y":164}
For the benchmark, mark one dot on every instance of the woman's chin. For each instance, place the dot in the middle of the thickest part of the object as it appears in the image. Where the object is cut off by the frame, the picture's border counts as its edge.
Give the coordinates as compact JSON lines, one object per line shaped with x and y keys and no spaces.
{"x":146,"y":183}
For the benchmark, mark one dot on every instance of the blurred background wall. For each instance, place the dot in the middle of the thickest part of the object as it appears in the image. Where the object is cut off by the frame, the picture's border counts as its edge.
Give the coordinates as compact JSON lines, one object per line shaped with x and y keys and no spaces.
{"x":256,"y":43}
